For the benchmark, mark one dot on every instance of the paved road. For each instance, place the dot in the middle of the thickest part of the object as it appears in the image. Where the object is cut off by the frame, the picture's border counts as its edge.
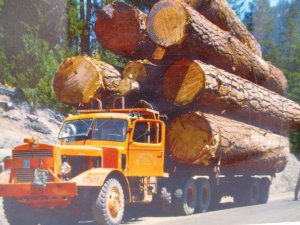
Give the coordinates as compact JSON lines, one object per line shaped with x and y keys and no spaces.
{"x":280,"y":210}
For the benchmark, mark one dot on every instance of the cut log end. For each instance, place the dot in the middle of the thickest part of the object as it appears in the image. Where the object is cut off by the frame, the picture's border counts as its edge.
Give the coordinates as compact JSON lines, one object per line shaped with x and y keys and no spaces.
{"x":166,"y":23}
{"x":195,"y":138}
{"x":183,"y":81}
{"x":76,"y":81}
{"x":158,"y":53}
{"x":128,"y":86}
{"x":117,"y":28}
{"x":187,"y":138}
{"x":136,"y":71}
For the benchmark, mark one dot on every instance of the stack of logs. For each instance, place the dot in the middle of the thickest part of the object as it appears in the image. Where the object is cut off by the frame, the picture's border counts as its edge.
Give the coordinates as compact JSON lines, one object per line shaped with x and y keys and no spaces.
{"x":196,"y":62}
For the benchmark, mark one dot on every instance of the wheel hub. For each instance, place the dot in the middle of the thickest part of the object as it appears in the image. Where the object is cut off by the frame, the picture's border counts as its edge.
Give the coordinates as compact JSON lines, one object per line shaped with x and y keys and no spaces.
{"x":114,"y":202}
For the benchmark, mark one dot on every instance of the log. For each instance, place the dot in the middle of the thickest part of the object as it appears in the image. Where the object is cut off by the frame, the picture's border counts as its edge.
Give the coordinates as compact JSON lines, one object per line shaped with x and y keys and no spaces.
{"x":122,"y":29}
{"x":220,"y":13}
{"x":210,"y":88}
{"x":146,"y":74}
{"x":197,"y":138}
{"x":80,"y":78}
{"x":142,"y":79}
{"x":171,"y":23}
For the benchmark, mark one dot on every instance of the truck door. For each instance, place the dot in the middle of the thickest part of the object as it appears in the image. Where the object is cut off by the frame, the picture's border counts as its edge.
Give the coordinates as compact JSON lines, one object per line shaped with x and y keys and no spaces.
{"x":146,"y":148}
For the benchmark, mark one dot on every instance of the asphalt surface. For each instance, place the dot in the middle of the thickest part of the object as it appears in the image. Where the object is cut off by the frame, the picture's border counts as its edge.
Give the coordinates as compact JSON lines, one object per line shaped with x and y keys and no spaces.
{"x":280,"y":210}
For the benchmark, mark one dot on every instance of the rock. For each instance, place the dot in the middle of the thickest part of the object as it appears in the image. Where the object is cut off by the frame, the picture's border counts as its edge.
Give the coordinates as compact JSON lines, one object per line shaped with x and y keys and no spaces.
{"x":54,"y":121}
{"x":54,"y":115}
{"x":12,"y":117}
{"x":287,"y":179}
{"x":37,"y":126}
{"x":6,"y":91}
{"x":32,"y":118}
{"x":15,"y":115}
{"x":25,"y":107}
{"x":6,"y":106}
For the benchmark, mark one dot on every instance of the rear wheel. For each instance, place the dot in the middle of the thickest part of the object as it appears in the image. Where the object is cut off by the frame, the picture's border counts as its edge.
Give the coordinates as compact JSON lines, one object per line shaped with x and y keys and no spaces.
{"x":203,"y":195}
{"x":186,"y":198}
{"x":249,"y":193}
{"x":264,"y":190}
{"x":109,"y":206}
{"x":216,"y":196}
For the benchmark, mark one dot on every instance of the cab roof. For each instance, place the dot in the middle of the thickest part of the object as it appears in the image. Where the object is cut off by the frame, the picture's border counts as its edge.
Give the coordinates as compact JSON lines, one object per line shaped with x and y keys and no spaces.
{"x":115,"y":113}
{"x":98,"y":115}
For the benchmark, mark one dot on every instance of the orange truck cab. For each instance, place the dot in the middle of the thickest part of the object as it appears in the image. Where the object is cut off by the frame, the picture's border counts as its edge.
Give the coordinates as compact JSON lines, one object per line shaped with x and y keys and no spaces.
{"x":115,"y":156}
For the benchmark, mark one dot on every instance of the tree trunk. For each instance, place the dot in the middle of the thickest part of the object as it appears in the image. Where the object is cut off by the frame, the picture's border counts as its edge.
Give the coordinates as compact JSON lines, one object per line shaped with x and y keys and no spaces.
{"x":213,"y":89}
{"x":80,"y":78}
{"x":198,"y":138}
{"x":122,"y":29}
{"x":85,"y":18}
{"x":147,"y":74}
{"x":142,"y":79}
{"x":171,"y":23}
{"x":220,"y":13}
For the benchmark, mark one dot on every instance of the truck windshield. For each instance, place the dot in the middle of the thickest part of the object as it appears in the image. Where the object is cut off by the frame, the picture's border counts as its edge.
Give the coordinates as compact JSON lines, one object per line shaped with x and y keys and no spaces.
{"x":75,"y":128}
{"x":110,"y":130}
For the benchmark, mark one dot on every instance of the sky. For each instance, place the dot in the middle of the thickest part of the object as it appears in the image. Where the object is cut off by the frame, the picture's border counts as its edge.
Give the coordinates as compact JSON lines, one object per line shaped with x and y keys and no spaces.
{"x":273,"y":2}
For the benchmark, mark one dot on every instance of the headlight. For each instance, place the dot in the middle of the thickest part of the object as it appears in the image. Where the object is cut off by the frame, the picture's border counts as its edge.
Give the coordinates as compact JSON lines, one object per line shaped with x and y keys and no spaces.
{"x":65,"y":168}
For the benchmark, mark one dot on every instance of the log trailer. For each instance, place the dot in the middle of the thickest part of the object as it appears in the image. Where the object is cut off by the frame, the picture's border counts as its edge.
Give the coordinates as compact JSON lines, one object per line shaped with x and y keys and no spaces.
{"x":113,"y":157}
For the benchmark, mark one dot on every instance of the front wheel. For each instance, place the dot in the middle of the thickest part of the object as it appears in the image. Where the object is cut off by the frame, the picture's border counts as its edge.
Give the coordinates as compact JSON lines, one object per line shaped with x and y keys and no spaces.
{"x":109,"y":206}
{"x":16,"y":212}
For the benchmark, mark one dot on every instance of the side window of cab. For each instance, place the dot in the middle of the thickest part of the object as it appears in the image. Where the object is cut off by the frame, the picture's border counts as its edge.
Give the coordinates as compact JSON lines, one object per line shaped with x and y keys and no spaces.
{"x":147,"y":132}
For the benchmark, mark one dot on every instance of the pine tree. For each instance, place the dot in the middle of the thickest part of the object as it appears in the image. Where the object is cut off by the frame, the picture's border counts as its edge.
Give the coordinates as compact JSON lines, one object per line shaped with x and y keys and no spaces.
{"x":291,"y":62}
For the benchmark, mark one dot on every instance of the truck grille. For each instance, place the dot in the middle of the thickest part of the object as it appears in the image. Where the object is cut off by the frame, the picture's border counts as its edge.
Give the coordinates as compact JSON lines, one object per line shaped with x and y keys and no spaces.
{"x":33,"y":154}
{"x":27,"y":175}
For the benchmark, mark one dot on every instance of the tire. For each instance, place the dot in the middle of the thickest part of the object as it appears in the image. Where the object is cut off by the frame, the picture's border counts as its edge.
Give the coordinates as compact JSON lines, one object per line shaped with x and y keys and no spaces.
{"x":250,"y":193}
{"x":253,"y":192}
{"x":16,"y":212}
{"x":203,"y":195}
{"x":185,"y":199}
{"x":216,"y":197}
{"x":109,"y":206}
{"x":264,"y":190}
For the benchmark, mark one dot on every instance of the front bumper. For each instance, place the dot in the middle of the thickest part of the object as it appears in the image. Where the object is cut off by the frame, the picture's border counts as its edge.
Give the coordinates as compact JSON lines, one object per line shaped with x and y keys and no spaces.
{"x":18,"y":190}
{"x":53,"y":195}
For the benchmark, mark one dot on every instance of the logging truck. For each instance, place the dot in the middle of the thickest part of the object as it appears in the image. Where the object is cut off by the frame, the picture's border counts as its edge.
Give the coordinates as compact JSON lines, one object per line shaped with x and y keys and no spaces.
{"x":113,"y":157}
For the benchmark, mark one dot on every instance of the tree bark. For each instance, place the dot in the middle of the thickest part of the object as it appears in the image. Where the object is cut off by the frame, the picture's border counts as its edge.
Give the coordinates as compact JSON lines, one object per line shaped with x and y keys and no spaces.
{"x":122,"y":29}
{"x":220,"y":13}
{"x":215,"y":90}
{"x":171,"y":23}
{"x":142,"y":79}
{"x":198,"y":138}
{"x":147,"y":74}
{"x":80,"y":78}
